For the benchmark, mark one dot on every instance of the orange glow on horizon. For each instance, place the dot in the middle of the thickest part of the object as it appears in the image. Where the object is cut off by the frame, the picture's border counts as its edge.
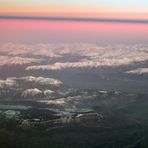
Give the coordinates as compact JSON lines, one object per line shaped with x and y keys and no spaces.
{"x":72,"y":11}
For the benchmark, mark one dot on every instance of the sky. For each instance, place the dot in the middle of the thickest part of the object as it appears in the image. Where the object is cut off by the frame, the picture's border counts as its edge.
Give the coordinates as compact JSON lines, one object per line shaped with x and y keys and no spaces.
{"x":123,"y":21}
{"x":133,"y":9}
{"x":41,"y":31}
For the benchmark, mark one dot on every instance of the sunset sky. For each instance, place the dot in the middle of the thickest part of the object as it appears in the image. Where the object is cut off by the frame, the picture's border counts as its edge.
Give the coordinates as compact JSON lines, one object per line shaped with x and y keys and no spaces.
{"x":123,"y":21}
{"x":133,"y":9}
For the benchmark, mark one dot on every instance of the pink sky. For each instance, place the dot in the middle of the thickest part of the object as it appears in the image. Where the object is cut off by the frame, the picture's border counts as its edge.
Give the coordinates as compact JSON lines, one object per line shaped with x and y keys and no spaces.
{"x":62,"y":31}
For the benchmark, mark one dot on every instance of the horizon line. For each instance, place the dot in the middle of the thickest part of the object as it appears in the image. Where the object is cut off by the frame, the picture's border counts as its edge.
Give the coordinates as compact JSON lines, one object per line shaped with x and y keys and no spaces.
{"x":77,"y":19}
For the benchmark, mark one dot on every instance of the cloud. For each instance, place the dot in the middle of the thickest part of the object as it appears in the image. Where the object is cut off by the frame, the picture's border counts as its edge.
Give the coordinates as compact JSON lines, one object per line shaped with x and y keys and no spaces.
{"x":94,"y":56}
{"x":68,"y":101}
{"x":38,"y":93}
{"x":90,"y":55}
{"x":78,"y":19}
{"x":8,"y":83}
{"x":7,"y":60}
{"x":13,"y":49}
{"x":18,"y":84}
{"x":48,"y":92}
{"x":60,"y":101}
{"x":31,"y":92}
{"x":42,"y":80}
{"x":138,"y":71}
{"x":88,"y":63}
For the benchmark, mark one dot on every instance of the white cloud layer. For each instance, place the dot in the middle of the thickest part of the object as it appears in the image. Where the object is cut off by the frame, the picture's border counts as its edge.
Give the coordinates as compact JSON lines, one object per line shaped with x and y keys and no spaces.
{"x":31,"y":92}
{"x":68,"y":101}
{"x":90,"y":55}
{"x":95,"y":56}
{"x":36,"y":92}
{"x":8,"y":60}
{"x":42,"y":80}
{"x":48,"y":92}
{"x":13,"y":49}
{"x":138,"y":71}
{"x":55,"y":102}
{"x":8,"y":83}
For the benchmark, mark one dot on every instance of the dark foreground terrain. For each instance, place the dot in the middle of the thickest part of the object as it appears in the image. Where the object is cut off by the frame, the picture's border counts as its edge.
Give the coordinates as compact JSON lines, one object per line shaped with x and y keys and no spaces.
{"x":120,"y":125}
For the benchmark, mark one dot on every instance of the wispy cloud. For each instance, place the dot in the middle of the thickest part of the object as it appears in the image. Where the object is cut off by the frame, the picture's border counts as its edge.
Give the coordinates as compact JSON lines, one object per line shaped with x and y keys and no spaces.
{"x":31,"y":92}
{"x":14,"y":49}
{"x":8,"y":83}
{"x":85,"y":55}
{"x":138,"y":21}
{"x":138,"y":71}
{"x":42,"y":80}
{"x":94,"y":56}
{"x":8,"y":60}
